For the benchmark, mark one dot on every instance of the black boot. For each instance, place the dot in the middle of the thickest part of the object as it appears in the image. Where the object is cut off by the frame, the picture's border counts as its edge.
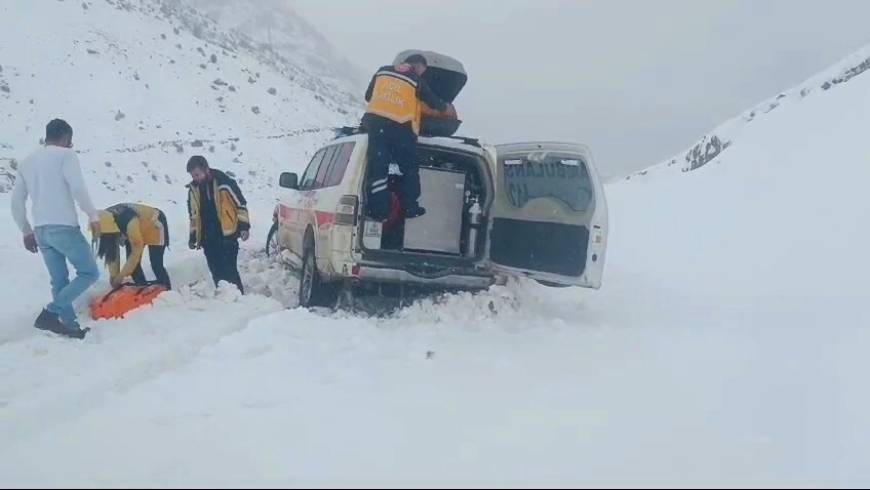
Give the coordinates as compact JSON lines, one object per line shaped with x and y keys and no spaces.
{"x":75,"y":333}
{"x":415,"y":212}
{"x":48,"y":321}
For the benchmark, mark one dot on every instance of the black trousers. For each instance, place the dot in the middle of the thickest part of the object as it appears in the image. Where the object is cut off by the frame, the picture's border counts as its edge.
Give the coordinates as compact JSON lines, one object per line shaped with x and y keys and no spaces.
{"x":155,"y":253}
{"x":390,"y":142}
{"x":222,"y":255}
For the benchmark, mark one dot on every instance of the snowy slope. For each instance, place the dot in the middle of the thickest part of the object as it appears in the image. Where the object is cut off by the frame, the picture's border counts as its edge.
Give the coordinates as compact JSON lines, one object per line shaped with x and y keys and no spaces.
{"x":715,"y":143}
{"x":727,"y":348}
{"x":146,"y":84}
{"x":274,"y":23}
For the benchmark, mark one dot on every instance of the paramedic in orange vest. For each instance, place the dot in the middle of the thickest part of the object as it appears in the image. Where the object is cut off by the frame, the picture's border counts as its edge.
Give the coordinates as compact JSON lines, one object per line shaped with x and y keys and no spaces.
{"x":218,"y":219}
{"x":392,"y":121}
{"x":136,"y":226}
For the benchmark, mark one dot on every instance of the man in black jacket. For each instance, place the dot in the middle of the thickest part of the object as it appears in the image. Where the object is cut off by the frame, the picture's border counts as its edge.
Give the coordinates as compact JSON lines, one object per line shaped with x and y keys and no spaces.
{"x":218,"y":218}
{"x":392,"y":121}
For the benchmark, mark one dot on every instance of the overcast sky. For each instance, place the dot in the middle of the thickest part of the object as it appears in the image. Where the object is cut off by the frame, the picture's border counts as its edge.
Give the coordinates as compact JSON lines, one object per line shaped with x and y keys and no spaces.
{"x":636,"y":80}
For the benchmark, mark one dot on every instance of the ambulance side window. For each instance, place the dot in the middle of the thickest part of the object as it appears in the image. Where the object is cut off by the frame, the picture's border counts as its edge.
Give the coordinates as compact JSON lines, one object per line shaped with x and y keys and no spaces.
{"x":328,"y":157}
{"x":310,"y":175}
{"x":339,"y":165}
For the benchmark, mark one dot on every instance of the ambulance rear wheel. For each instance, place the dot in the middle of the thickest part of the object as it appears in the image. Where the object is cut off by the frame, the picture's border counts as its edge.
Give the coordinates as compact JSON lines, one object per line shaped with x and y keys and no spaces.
{"x":313,"y":291}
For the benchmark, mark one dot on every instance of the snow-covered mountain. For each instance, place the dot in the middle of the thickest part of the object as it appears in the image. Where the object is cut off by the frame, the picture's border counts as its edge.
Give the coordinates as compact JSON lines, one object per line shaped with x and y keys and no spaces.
{"x":715,"y":143}
{"x":148,"y":83}
{"x":275,"y":25}
{"x":727,"y":348}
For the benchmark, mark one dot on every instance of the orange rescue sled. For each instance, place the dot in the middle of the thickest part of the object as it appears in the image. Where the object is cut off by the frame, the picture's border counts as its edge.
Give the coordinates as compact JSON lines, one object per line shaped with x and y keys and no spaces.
{"x":123,"y":300}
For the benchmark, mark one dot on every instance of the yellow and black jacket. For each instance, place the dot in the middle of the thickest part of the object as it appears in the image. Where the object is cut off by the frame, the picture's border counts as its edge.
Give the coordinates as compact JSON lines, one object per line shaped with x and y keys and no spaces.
{"x":398,"y":94}
{"x":228,"y":204}
{"x":141,"y":225}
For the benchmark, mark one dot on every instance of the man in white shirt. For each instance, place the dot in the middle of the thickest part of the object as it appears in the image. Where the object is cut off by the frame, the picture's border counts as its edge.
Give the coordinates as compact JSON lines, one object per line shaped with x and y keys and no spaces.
{"x":52,"y":178}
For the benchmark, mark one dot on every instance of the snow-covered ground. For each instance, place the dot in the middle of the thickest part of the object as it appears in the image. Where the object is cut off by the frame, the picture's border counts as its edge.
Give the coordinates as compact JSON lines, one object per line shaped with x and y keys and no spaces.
{"x":728,"y":347}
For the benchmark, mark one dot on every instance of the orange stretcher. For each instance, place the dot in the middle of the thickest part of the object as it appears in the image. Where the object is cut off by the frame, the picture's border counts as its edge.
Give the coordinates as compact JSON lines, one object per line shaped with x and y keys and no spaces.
{"x":123,"y":300}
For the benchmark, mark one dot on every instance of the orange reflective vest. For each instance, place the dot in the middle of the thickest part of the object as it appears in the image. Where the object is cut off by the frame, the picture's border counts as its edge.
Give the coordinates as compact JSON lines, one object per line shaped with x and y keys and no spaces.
{"x":230,"y":205}
{"x":394,"y":97}
{"x":140,"y":225}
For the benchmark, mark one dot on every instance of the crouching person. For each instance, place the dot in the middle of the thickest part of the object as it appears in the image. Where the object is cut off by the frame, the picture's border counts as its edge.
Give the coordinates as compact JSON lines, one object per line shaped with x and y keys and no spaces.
{"x":218,"y":219}
{"x":136,"y":226}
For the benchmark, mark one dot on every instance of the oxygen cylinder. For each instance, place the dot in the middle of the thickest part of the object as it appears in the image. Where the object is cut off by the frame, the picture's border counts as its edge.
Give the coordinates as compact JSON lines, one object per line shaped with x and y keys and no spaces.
{"x":475,"y":218}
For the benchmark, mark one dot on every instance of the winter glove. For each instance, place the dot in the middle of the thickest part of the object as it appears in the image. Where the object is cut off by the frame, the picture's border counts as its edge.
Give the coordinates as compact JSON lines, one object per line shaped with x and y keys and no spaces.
{"x":245,"y":235}
{"x":30,"y":243}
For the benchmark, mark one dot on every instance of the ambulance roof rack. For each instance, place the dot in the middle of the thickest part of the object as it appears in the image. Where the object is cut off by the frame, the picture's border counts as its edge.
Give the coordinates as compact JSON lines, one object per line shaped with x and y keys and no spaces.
{"x":466,"y":140}
{"x":347,"y":131}
{"x":354,"y":130}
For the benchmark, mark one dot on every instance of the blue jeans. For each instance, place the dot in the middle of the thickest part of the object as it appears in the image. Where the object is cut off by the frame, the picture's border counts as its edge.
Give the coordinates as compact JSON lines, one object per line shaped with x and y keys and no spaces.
{"x":60,"y":244}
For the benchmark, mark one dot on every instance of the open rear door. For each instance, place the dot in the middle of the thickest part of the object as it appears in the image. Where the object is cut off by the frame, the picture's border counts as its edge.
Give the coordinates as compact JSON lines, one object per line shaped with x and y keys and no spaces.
{"x":548,"y":220}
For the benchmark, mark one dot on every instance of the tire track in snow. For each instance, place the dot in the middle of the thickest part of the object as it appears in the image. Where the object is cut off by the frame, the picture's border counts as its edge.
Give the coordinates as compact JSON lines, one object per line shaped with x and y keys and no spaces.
{"x":43,"y":372}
